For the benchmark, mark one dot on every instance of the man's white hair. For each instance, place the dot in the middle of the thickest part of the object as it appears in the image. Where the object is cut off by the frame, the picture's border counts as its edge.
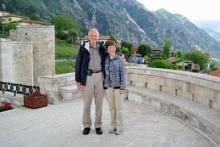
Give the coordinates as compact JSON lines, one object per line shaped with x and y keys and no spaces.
{"x":93,"y":30}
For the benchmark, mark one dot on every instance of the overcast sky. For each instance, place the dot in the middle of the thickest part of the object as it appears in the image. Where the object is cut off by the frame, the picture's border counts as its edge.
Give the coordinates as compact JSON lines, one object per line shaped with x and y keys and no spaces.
{"x":192,"y":9}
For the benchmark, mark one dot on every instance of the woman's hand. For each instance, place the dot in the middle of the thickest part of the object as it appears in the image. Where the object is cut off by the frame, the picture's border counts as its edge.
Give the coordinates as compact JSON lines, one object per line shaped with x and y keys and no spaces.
{"x":79,"y":87}
{"x":122,"y":91}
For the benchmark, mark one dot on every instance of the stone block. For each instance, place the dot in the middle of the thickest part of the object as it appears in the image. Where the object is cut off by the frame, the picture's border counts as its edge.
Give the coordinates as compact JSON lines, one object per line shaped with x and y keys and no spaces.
{"x":164,"y":107}
{"x":156,"y":104}
{"x":179,"y":114}
{"x":135,"y":97}
{"x":147,"y":100}
{"x":69,"y":92}
{"x":171,"y":109}
{"x":216,"y":100}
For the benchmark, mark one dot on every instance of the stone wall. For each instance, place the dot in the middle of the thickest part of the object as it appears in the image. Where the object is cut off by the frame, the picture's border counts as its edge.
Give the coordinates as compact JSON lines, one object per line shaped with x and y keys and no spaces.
{"x":199,"y":88}
{"x":16,"y":62}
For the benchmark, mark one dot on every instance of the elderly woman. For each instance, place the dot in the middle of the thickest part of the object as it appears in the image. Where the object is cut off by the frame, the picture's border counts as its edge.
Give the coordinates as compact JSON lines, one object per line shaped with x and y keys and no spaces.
{"x":115,"y":85}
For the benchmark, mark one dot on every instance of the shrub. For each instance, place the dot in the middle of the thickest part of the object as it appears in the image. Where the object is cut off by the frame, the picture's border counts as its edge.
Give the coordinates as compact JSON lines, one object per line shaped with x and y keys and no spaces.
{"x":198,"y":58}
{"x":162,"y":64}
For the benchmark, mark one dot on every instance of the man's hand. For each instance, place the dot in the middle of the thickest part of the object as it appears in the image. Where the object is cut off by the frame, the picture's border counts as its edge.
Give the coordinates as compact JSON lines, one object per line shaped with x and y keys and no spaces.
{"x":122,"y":91}
{"x":79,"y":87}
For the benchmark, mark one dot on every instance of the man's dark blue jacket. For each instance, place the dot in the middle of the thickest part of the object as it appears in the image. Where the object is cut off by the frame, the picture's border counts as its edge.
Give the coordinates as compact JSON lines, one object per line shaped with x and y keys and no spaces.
{"x":82,"y":62}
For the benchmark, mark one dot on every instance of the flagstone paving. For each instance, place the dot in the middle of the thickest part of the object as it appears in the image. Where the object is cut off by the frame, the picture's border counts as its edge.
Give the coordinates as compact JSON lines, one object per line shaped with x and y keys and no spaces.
{"x":60,"y":125}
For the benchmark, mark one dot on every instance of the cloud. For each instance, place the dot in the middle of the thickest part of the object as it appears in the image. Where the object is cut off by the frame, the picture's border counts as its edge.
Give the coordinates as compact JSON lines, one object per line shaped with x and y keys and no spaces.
{"x":192,"y":9}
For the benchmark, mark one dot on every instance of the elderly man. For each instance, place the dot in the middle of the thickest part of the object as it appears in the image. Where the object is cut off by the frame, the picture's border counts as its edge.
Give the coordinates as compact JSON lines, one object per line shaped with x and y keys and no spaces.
{"x":89,"y":78}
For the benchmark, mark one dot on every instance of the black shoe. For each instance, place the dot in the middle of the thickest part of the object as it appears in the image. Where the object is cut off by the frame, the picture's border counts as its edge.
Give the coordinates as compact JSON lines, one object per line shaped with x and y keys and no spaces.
{"x":98,"y":131}
{"x":86,"y":131}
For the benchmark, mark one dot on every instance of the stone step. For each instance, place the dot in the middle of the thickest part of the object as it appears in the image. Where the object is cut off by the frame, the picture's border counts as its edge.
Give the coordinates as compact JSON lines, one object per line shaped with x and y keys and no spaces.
{"x":204,"y":119}
{"x":69,"y":93}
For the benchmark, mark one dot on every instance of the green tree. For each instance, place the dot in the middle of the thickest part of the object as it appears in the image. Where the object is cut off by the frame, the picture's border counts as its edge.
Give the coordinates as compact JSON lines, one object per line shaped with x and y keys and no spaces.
{"x":198,"y":58}
{"x":66,"y":28}
{"x":144,"y":49}
{"x":213,"y":66}
{"x":127,"y":45}
{"x":125,"y":51}
{"x":166,"y":47}
{"x":62,"y":35}
{"x":162,"y":64}
{"x":179,"y":55}
{"x":35,"y":17}
{"x":64,"y":23}
{"x":72,"y":35}
{"x":5,"y":28}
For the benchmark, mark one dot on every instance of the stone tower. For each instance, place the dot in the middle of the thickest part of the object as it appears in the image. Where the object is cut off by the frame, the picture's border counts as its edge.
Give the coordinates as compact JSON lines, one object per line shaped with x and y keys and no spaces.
{"x":43,"y":41}
{"x":16,"y":62}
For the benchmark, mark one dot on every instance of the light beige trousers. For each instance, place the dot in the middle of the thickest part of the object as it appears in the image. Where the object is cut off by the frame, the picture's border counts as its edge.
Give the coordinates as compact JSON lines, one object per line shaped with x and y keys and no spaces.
{"x":93,"y":88}
{"x":115,"y":100}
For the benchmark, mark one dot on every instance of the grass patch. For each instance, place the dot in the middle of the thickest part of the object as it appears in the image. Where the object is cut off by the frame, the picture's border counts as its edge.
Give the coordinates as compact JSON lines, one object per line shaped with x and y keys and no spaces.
{"x":64,"y":67}
{"x":65,"y":50}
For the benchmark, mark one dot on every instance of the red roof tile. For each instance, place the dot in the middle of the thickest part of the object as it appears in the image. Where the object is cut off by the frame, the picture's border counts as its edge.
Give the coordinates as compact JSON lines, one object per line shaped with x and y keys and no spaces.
{"x":215,"y":73}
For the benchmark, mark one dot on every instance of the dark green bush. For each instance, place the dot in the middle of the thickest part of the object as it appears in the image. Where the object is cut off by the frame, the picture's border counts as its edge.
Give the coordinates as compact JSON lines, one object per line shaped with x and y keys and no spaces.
{"x":162,"y":64}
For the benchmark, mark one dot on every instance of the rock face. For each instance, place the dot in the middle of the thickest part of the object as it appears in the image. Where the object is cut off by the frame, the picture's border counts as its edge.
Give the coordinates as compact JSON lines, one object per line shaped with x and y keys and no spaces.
{"x":125,"y":19}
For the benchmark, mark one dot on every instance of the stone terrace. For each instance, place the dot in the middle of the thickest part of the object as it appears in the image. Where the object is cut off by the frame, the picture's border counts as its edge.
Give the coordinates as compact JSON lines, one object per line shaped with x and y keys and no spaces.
{"x":60,"y":125}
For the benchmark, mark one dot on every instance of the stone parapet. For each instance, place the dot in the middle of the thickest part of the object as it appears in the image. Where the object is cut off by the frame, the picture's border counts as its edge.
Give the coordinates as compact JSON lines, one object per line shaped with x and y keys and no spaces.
{"x":199,"y":88}
{"x":190,"y":97}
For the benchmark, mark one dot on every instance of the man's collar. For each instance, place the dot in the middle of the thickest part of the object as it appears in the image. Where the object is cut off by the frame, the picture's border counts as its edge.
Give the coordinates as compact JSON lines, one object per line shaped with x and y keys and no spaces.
{"x":97,"y":45}
{"x":87,"y":45}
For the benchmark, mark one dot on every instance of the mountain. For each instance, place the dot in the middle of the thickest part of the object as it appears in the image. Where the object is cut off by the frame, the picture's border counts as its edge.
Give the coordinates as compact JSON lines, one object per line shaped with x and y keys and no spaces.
{"x":214,"y":34}
{"x":125,"y":19}
{"x":208,"y":24}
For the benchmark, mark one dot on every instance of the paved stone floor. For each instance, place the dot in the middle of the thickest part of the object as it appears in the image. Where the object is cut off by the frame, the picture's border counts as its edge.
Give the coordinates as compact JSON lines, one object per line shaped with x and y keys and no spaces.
{"x":60,"y":126}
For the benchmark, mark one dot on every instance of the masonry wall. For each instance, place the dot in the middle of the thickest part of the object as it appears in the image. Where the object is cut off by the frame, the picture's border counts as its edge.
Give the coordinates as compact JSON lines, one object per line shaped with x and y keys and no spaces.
{"x":43,"y":40}
{"x":200,"y":88}
{"x":16,"y":62}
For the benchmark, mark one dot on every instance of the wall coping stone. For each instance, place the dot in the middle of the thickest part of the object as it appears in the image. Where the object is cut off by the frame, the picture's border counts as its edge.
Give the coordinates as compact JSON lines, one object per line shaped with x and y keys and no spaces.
{"x":189,"y":76}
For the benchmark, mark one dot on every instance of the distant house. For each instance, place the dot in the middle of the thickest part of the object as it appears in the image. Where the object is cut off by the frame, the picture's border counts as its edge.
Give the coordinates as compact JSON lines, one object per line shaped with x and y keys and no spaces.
{"x":3,"y":13}
{"x":215,"y":73}
{"x":134,"y":50}
{"x":156,"y":52}
{"x":191,"y":66}
{"x":172,"y":60}
{"x":9,"y":18}
{"x":102,"y":39}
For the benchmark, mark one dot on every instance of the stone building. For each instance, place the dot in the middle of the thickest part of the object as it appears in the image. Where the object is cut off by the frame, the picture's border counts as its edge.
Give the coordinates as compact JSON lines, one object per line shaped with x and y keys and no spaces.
{"x":28,"y":54}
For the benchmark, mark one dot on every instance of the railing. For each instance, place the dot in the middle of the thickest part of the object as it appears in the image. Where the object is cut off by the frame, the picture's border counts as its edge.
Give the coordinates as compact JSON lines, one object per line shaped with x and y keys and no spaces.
{"x":17,"y":88}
